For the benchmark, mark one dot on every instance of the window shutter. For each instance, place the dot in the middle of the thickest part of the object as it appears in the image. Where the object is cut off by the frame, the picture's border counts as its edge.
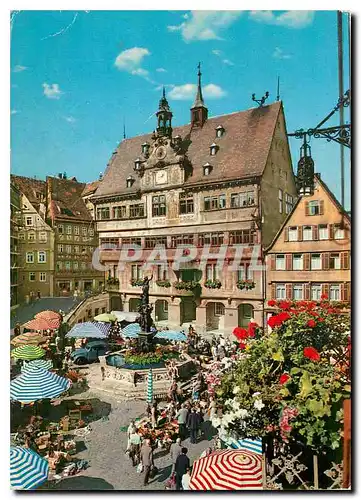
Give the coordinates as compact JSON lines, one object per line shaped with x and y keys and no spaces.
{"x":272,"y":262}
{"x":307,"y":210}
{"x":325,"y":259}
{"x":286,"y":233}
{"x":306,"y":261}
{"x":330,"y":231}
{"x":348,"y":291}
{"x":345,"y":292}
{"x":321,"y":207}
{"x":307,"y":291}
{"x":289,"y":291}
{"x":273,"y":291}
{"x":299,"y":233}
{"x":315,"y":232}
{"x":345,"y":263}
{"x":326,"y":289}
{"x":288,"y":262}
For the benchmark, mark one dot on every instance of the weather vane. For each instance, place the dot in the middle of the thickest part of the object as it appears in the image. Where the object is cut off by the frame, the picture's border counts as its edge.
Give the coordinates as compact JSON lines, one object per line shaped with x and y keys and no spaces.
{"x":260,"y":102}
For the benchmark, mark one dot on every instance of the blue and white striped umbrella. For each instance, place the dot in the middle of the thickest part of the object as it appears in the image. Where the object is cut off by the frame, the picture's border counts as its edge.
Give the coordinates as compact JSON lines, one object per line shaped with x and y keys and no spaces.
{"x":45,"y":364}
{"x":131,"y":331}
{"x":95,"y":330}
{"x":150,"y":387}
{"x":35,"y":384}
{"x":171,"y":335}
{"x":254,"y":445}
{"x":27,"y":469}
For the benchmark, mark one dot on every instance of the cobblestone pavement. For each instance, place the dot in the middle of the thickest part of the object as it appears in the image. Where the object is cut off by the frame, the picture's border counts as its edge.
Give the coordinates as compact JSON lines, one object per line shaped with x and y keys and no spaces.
{"x":105,"y":447}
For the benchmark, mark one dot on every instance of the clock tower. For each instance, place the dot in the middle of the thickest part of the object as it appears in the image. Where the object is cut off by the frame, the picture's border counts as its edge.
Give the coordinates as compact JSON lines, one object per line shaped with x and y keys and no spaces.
{"x":164,"y":116}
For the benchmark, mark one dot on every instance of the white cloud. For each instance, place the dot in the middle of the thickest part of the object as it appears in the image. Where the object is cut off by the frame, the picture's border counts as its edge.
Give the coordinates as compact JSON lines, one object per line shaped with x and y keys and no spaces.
{"x":228,"y":62}
{"x":18,"y":68}
{"x":130,"y":60}
{"x":70,"y":119}
{"x":188,"y":92}
{"x":219,"y":53}
{"x":205,"y":25}
{"x":14,"y":112}
{"x":161,"y":70}
{"x":140,"y":72}
{"x":279,"y":54}
{"x":290,"y":18}
{"x":52,"y":91}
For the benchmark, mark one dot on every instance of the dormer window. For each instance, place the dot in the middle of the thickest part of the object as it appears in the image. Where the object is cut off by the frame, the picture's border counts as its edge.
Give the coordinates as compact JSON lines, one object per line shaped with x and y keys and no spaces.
{"x":177,"y":140}
{"x":220,"y":131}
{"x":207,"y":168}
{"x":213,"y":148}
{"x":138,"y":165}
{"x":130,"y":181}
{"x":145,"y":148}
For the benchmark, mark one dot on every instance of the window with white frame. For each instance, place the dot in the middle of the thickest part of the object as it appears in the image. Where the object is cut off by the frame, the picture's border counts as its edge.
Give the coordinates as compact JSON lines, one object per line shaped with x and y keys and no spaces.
{"x":314,"y":207}
{"x":41,"y":257}
{"x":21,"y":236}
{"x":211,"y":272}
{"x":83,"y":265}
{"x":218,"y":309}
{"x":75,"y":265}
{"x":31,"y":236}
{"x":323,"y":232}
{"x":335,"y":292}
{"x":60,"y":248}
{"x":162,"y":273}
{"x":245,"y":272}
{"x":68,"y":229}
{"x":307,"y":233}
{"x":280,"y":291}
{"x":280,"y":200}
{"x":43,"y":236}
{"x":316,"y":292}
{"x":297,"y":292}
{"x":339,"y":233}
{"x":292,"y":233}
{"x":288,"y":203}
{"x":59,"y":266}
{"x":137,"y":272}
{"x":67,"y":265}
{"x":280,"y":262}
{"x":84,"y":230}
{"x":91,"y":231}
{"x":316,"y":262}
{"x":335,"y":261}
{"x":42,"y":276}
{"x":31,"y":276}
{"x":29,"y":257}
{"x":60,"y":229}
{"x":76,"y":229}
{"x":29,"y":220}
{"x":68,"y":249}
{"x":297,"y":262}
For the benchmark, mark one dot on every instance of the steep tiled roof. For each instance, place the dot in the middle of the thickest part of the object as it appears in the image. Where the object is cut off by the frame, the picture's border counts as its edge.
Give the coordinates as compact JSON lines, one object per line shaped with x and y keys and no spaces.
{"x":65,"y":201}
{"x":90,"y":188}
{"x":33,"y":189}
{"x":243,"y":149}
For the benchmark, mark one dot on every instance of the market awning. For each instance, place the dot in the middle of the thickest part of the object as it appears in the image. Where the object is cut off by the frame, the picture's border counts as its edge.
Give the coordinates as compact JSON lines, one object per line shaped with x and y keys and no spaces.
{"x":48,"y":315}
{"x":45,"y":364}
{"x":126,"y":316}
{"x":227,"y":470}
{"x":131,"y":331}
{"x":35,"y":384}
{"x":171,"y":335}
{"x":28,"y":352}
{"x":29,"y":338}
{"x":27,"y":469}
{"x":41,"y":324}
{"x":106,"y":317}
{"x":89,"y":329}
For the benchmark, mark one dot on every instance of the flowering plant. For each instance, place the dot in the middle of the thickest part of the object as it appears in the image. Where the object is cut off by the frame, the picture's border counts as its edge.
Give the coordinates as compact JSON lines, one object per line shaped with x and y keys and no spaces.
{"x":293,"y":379}
{"x":246,"y":284}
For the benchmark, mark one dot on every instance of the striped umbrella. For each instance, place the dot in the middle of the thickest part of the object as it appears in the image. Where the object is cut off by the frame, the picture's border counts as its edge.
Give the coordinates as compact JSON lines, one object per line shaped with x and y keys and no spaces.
{"x":27,"y":469}
{"x":254,"y":445}
{"x":131,"y":331}
{"x":171,"y":335}
{"x":89,"y":330}
{"x":45,"y":364}
{"x":40,"y":324}
{"x":28,"y":352}
{"x":29,"y":338}
{"x":35,"y":384}
{"x":150,"y":387}
{"x":227,"y":470}
{"x":48,"y":315}
{"x":106,"y":317}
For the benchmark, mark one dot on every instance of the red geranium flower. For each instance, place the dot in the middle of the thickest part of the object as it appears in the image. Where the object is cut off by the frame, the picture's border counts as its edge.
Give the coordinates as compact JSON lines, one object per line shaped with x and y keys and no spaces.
{"x":272,"y":303}
{"x":284,"y":378}
{"x":273,"y":321}
{"x":311,"y":353}
{"x":284,"y":316}
{"x":324,"y":296}
{"x":311,"y":323}
{"x":242,"y":346}
{"x":252,"y":329}
{"x":321,"y":319}
{"x":285,"y":304}
{"x":240,"y":333}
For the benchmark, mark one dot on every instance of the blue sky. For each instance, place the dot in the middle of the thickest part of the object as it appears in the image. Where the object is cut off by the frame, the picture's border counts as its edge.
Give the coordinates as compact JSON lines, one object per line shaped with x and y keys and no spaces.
{"x":76,"y":76}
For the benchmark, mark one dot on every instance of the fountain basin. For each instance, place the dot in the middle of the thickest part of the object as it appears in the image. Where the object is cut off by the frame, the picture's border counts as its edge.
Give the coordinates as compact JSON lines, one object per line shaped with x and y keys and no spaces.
{"x":118,"y":361}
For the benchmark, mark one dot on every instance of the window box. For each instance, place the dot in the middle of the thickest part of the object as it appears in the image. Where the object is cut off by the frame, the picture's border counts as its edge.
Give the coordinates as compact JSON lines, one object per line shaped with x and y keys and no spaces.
{"x":163,"y":283}
{"x":246,"y":284}
{"x":135,"y":282}
{"x":112,"y":281}
{"x":213,"y":284}
{"x":186,"y":285}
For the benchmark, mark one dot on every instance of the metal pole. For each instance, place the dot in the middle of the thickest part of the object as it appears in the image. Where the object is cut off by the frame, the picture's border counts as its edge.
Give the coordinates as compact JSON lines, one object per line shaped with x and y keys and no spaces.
{"x":340,"y":87}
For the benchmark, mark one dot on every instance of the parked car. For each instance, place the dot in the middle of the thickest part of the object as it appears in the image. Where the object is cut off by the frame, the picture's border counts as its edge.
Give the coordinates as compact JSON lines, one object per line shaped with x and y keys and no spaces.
{"x":90,"y":352}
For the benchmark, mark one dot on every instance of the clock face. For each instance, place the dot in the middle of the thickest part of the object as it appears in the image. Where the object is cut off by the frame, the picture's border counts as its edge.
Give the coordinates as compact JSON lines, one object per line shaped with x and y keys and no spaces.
{"x":161,"y":152}
{"x":161,"y":177}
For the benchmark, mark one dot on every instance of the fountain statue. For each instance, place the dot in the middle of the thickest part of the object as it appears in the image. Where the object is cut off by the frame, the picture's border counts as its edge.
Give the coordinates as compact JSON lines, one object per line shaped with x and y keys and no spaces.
{"x":145,"y":321}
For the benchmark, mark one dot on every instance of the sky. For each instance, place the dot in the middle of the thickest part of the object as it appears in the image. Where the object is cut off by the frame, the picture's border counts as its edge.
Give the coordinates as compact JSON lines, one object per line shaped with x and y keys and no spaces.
{"x":77,"y":77}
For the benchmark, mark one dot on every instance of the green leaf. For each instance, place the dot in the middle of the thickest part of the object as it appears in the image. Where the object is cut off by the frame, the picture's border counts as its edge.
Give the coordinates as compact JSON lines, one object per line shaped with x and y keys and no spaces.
{"x":278,"y":356}
{"x":295,"y":370}
{"x":306,"y":386}
{"x":347,"y":388}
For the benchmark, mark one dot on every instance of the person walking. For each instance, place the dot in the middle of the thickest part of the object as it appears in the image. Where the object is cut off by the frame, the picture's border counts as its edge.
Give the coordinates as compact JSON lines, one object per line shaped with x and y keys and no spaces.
{"x":186,"y":479}
{"x":181,"y":465}
{"x":146,"y":456}
{"x":182,"y":417}
{"x":134,"y":452}
{"x":131,"y":430}
{"x":193,"y":425}
{"x":175,"y":451}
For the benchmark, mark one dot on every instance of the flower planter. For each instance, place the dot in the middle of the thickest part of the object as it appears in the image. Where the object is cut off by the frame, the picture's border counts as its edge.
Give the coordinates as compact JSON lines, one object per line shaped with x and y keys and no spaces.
{"x":246,"y":285}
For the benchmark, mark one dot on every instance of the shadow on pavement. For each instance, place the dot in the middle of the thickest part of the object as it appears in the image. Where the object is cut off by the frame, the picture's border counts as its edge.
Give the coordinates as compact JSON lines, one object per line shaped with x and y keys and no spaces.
{"x":163,"y":474}
{"x":83,"y":483}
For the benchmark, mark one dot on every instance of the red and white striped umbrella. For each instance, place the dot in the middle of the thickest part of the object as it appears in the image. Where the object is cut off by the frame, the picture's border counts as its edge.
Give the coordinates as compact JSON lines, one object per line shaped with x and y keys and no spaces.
{"x":53,"y":318}
{"x":40,"y":324}
{"x":227,"y":470}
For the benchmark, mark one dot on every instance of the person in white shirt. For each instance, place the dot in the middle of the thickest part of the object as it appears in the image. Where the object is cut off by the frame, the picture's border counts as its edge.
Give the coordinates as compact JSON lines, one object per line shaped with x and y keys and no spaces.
{"x":185,"y":479}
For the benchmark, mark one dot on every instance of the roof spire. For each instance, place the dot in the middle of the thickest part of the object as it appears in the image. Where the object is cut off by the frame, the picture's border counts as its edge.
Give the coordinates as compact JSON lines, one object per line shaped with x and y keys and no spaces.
{"x":163,"y":92}
{"x":199,"y":111}
{"x":199,"y":98}
{"x":278,"y":88}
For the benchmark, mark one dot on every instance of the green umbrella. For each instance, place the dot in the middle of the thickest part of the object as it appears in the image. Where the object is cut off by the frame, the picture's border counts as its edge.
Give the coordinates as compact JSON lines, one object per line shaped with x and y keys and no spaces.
{"x":105,"y":317}
{"x":28,"y":352}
